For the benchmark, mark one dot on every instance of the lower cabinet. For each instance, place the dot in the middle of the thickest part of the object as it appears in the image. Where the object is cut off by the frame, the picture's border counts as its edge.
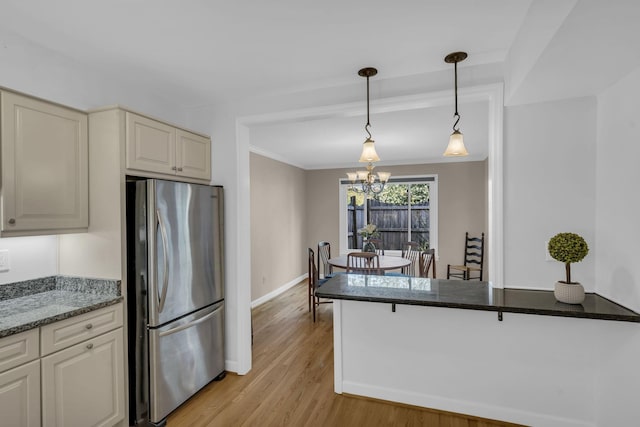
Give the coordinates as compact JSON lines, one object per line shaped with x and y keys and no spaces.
{"x":20,"y":396}
{"x":65,"y":374}
{"x":82,"y":385}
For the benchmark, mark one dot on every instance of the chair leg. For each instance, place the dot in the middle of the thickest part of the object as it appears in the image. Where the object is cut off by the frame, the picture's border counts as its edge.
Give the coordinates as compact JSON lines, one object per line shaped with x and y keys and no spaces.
{"x":314,"y":308}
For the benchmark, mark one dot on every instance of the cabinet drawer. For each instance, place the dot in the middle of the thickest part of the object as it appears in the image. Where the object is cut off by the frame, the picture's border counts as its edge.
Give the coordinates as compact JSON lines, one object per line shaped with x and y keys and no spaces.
{"x":18,"y":349}
{"x":65,"y":333}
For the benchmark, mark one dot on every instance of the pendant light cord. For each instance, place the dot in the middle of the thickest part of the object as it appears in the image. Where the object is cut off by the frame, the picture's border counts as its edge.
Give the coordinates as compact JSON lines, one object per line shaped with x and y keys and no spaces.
{"x":456,"y":115}
{"x":368,"y":125}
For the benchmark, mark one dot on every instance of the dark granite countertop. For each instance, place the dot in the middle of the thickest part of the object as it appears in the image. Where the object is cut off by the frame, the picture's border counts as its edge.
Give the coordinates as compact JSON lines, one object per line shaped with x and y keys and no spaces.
{"x":472,"y":295}
{"x":33,"y":303}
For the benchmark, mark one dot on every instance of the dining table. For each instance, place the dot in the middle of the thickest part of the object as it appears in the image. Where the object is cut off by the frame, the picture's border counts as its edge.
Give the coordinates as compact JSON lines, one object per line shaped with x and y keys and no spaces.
{"x":386,"y":262}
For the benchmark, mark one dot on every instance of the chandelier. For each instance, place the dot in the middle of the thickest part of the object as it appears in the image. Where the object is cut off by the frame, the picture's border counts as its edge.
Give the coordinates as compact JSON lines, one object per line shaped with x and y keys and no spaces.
{"x":456,"y":142}
{"x":366,"y":181}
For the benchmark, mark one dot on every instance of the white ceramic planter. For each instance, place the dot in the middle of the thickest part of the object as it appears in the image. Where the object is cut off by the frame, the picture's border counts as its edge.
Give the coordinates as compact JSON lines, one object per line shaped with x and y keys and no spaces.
{"x":569,"y":293}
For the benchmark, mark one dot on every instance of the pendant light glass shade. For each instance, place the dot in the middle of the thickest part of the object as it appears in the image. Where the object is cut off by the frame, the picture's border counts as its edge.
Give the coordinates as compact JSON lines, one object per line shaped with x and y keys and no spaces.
{"x":369,"y":152}
{"x":456,"y":146}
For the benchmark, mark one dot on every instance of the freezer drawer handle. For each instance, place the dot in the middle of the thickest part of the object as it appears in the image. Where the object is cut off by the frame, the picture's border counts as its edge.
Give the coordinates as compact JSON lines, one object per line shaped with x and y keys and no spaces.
{"x":165,"y":281}
{"x":190,"y":324}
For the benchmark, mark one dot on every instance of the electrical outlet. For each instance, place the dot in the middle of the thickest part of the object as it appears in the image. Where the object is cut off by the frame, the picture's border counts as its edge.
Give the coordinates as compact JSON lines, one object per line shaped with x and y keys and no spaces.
{"x":547,"y":255}
{"x":4,"y":260}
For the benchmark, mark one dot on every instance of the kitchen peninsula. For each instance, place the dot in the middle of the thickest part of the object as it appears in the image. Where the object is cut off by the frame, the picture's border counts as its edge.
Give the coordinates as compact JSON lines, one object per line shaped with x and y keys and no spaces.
{"x":466,"y":347}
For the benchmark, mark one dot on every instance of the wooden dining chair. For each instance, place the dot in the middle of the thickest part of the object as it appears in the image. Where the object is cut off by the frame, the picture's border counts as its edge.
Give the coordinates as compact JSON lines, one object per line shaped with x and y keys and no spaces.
{"x":410,"y":251}
{"x":471,"y":269}
{"x":364,"y":263}
{"x":324,"y":253}
{"x":379,"y":244}
{"x":314,"y":283}
{"x":427,"y":262}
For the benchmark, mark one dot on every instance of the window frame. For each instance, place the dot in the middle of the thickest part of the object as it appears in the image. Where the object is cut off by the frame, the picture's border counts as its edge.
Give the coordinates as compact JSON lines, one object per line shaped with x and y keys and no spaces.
{"x":431,"y":179}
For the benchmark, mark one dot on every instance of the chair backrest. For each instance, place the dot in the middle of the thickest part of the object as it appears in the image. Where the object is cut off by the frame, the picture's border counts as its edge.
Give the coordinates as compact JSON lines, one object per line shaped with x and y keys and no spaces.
{"x":474,"y":251}
{"x":379,"y":244}
{"x":411,"y":251}
{"x":313,"y":271}
{"x":428,"y":261}
{"x":363,"y":263}
{"x":324,"y":253}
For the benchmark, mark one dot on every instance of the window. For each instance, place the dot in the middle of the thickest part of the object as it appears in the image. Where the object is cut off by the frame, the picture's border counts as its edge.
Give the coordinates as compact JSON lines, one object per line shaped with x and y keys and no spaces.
{"x":405,"y":211}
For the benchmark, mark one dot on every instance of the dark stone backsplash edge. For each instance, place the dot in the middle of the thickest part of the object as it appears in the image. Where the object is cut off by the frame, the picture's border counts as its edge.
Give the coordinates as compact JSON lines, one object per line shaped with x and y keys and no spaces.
{"x":86,"y":285}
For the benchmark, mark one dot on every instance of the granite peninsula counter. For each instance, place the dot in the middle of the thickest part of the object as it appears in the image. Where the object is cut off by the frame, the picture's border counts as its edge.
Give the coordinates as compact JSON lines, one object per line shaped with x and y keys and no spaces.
{"x":33,"y":303}
{"x":471,"y":295}
{"x":438,"y":344}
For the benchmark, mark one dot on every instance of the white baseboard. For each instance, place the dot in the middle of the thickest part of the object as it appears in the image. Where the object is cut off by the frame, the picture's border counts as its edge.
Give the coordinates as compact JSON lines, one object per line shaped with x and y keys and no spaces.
{"x":231,"y":366}
{"x":461,"y":407}
{"x":277,"y":291}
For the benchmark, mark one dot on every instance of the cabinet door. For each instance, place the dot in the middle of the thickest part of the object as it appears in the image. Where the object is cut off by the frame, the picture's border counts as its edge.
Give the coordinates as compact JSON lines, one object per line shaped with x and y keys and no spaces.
{"x":44,"y":167}
{"x":83,"y":385}
{"x":193,"y":155}
{"x":150,"y":145}
{"x":20,"y":396}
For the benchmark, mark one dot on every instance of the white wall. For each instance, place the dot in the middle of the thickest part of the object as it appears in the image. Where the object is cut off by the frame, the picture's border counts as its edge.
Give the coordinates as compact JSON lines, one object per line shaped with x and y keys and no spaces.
{"x":532,"y":370}
{"x":549,"y":187}
{"x":30,"y":258}
{"x":618,"y":207}
{"x":617,"y":233}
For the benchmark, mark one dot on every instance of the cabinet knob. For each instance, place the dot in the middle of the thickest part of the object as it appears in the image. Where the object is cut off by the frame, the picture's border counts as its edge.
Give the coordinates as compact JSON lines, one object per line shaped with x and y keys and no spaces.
{"x":89,"y":346}
{"x":88,"y":326}
{"x":180,"y":169}
{"x":12,"y":220}
{"x":173,"y":168}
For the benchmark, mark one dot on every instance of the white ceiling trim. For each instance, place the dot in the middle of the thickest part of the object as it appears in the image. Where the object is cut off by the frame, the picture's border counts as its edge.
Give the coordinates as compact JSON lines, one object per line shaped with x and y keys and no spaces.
{"x":273,"y":156}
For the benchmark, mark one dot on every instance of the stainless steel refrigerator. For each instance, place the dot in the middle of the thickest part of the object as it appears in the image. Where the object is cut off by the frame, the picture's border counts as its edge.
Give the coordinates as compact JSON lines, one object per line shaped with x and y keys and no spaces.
{"x":175,"y":284}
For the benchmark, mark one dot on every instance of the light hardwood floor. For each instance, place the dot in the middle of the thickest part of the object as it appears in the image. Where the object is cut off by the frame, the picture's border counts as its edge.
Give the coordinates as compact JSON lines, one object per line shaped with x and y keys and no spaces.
{"x":291,"y":382}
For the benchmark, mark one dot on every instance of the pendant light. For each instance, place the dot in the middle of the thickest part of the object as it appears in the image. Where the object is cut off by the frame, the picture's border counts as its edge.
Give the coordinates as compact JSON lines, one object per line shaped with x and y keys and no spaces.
{"x":456,"y":143}
{"x":368,"y":182}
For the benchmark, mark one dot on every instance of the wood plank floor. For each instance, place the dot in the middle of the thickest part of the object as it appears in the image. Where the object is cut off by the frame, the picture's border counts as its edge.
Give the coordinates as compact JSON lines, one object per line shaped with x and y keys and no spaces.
{"x":291,"y":382}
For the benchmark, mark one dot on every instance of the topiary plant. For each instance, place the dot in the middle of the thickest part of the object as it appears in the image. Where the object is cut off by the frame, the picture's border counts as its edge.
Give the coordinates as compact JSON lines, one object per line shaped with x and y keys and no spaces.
{"x":568,"y":248}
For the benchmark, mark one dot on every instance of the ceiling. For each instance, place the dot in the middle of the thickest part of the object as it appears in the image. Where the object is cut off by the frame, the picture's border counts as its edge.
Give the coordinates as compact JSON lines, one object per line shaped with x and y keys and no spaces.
{"x":206,"y":52}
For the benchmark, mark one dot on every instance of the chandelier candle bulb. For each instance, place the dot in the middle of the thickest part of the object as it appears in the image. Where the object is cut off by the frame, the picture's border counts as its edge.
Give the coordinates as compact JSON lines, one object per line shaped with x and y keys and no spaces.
{"x":384,"y":176}
{"x":362,"y":175}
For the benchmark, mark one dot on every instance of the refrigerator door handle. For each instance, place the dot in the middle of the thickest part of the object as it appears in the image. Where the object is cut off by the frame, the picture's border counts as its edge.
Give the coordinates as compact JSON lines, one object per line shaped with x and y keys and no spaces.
{"x":190,"y":324}
{"x":165,"y":281}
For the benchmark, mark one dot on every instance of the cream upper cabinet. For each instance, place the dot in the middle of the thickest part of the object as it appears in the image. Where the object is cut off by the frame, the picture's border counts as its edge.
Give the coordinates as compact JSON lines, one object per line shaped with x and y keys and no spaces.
{"x":193,"y":154}
{"x":44,"y":167}
{"x":153,"y":146}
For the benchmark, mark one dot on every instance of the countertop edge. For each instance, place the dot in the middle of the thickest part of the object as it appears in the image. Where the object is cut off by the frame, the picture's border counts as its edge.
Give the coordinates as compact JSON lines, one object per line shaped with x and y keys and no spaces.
{"x":633,"y":318}
{"x":62,"y":316}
